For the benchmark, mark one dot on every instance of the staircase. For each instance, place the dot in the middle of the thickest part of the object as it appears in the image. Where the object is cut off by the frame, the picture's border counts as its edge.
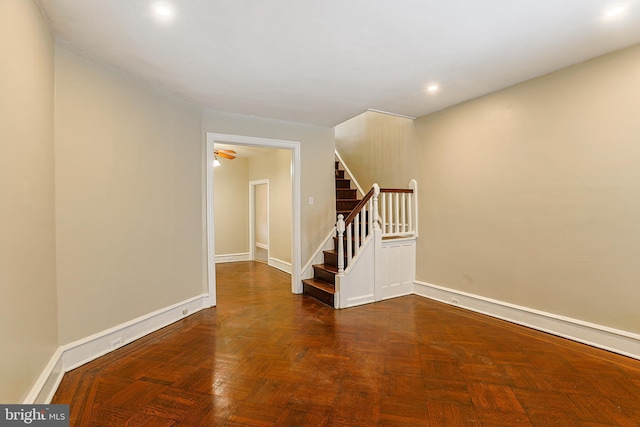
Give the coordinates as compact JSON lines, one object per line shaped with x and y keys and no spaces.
{"x":322,"y":285}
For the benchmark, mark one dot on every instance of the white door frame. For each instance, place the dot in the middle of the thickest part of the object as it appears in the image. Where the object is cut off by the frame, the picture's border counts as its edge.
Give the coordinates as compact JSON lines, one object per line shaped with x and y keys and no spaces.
{"x":252,"y":216}
{"x":294,"y":146}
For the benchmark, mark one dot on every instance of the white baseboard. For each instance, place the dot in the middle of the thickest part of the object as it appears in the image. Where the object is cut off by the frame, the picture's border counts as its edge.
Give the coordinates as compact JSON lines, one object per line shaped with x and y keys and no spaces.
{"x":610,"y":339}
{"x":77,"y":353}
{"x":262,"y":246}
{"x":232,"y":257}
{"x":280,"y":265}
{"x":360,"y":300}
{"x":48,"y":381}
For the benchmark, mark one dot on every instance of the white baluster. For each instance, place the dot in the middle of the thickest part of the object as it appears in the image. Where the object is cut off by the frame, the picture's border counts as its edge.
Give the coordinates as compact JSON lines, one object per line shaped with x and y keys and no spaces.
{"x":397,"y":207}
{"x":363,"y":223}
{"x":340,"y":229}
{"x":409,"y":209}
{"x":349,"y":244}
{"x":403,"y":208}
{"x":374,"y":209}
{"x":356,"y":232}
{"x":383,"y":211}
{"x":370,"y":216}
{"x":390,"y":213}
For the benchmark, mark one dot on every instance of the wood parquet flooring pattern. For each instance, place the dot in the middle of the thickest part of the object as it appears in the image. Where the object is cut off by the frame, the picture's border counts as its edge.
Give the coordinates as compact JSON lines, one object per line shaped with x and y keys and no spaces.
{"x":266,"y":357}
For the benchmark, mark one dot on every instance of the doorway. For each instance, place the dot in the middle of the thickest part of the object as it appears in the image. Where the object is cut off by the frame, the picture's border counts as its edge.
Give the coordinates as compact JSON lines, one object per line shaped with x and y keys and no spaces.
{"x":294,"y":147}
{"x":259,"y":220}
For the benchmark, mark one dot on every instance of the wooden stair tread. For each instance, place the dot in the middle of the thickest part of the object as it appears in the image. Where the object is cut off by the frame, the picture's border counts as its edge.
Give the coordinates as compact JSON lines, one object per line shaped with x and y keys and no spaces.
{"x":320,"y":284}
{"x":327,"y":267}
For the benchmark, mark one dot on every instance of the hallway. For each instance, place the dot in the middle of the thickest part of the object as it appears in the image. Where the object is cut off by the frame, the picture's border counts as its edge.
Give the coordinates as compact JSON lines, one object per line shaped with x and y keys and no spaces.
{"x":267,"y":357}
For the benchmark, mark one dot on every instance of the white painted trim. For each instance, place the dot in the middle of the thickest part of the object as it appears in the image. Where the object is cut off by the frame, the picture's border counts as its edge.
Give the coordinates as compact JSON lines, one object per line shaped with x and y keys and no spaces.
{"x":222,"y":258}
{"x":356,"y":286}
{"x":391,"y":114}
{"x":348,"y":171}
{"x":361,"y":250}
{"x":77,"y":353}
{"x":252,"y":217}
{"x":210,"y":221}
{"x":87,"y":349}
{"x":360,"y":300}
{"x":606,"y":338}
{"x":318,"y":257}
{"x":280,"y":265}
{"x":294,"y":146}
{"x":390,"y":240}
{"x":413,"y":184}
{"x":48,"y":381}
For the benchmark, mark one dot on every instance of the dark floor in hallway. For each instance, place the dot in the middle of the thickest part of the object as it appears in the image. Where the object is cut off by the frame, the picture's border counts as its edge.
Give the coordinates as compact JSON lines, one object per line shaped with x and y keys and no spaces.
{"x":266,"y":357}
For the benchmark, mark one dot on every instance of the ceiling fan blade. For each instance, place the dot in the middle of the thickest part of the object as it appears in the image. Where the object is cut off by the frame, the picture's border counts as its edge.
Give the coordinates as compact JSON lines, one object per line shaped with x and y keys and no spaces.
{"x":227,"y":151}
{"x":224,"y":155}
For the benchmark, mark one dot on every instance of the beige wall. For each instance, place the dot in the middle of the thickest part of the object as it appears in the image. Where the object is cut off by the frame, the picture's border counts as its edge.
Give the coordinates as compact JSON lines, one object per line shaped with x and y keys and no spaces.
{"x":531,"y":194}
{"x":528,"y":195}
{"x":231,"y":202}
{"x":129,"y":174}
{"x":27,"y":240}
{"x":316,"y":147}
{"x":380,"y":147}
{"x":231,"y":206}
{"x":276,"y":167}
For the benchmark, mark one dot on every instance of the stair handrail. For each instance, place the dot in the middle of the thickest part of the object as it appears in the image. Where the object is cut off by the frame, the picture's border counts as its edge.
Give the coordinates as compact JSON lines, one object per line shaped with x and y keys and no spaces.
{"x":355,"y":226}
{"x":349,"y":219}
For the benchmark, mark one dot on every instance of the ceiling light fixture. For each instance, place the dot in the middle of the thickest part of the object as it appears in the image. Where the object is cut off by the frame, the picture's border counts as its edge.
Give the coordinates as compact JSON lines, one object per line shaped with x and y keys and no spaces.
{"x":433,"y":88}
{"x":163,"y":10}
{"x":216,"y":162}
{"x":614,"y":12}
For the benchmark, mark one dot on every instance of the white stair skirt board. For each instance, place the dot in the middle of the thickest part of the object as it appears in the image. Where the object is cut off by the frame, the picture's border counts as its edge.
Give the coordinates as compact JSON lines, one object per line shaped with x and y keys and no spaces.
{"x":280,"y":265}
{"x":232,"y":257}
{"x":603,"y":337}
{"x":357,"y":285}
{"x":77,"y":353}
{"x":318,"y":255}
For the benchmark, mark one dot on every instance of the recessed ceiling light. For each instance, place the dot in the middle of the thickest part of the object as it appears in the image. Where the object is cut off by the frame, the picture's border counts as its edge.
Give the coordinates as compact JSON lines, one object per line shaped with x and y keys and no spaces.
{"x":614,"y":12}
{"x":433,"y":88}
{"x":163,"y":10}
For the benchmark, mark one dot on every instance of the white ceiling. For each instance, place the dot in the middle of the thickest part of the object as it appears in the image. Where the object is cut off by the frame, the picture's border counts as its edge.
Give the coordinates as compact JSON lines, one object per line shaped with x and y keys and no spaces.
{"x":322,"y":62}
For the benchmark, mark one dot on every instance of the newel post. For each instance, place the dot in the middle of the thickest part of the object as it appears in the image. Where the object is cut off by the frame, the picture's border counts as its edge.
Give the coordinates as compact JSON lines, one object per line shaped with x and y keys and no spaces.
{"x":340,"y":227}
{"x":375,"y":214}
{"x":413,"y":184}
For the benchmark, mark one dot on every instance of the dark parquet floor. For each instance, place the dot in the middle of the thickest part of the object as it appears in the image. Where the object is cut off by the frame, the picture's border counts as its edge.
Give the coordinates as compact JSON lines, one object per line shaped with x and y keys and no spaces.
{"x":266,"y":357}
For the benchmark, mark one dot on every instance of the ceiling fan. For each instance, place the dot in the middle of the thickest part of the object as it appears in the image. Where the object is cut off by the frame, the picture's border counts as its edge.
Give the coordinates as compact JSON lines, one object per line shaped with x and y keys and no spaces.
{"x":225,"y":154}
